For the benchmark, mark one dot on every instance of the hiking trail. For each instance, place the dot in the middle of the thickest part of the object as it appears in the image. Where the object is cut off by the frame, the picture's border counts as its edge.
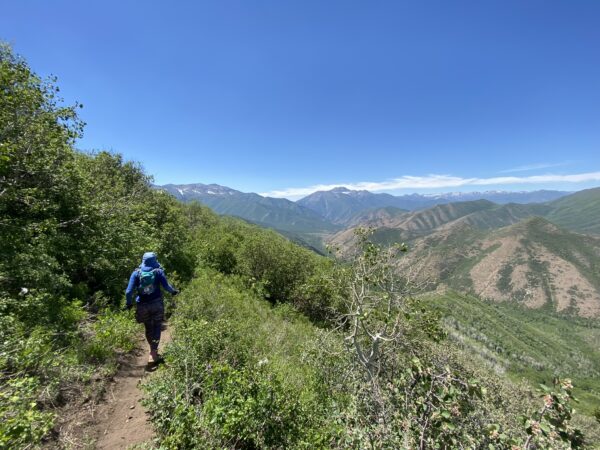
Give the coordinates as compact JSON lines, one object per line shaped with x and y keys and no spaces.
{"x":120,"y":421}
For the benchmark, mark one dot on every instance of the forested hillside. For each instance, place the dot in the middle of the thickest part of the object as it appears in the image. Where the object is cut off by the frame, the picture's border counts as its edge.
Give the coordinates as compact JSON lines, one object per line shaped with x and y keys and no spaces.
{"x":72,"y":226}
{"x":526,"y":343}
{"x":289,"y":218}
{"x":532,"y":262}
{"x":274,"y":346}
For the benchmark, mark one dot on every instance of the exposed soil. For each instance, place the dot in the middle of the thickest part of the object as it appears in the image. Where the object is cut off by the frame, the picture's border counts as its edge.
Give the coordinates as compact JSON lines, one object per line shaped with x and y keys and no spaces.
{"x":570,"y":287}
{"x":117,"y":420}
{"x":485,"y":274}
{"x":121,"y":420}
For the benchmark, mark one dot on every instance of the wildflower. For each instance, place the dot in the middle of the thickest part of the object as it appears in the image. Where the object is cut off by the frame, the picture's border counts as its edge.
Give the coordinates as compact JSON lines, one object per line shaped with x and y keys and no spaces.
{"x":566,"y":384}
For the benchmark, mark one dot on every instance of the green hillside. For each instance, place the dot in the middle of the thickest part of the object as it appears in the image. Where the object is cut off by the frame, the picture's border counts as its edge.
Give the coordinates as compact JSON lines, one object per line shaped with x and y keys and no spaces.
{"x":579,"y":211}
{"x":377,"y":215}
{"x":525,"y":343}
{"x":503,"y":215}
{"x":392,"y":225}
{"x":277,"y":213}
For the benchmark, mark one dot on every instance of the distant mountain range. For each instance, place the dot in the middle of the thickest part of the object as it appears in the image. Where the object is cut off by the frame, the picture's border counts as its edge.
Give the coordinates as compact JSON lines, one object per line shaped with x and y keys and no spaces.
{"x":341,"y":205}
{"x":300,"y":224}
{"x":325,"y":211}
{"x":278,"y":213}
{"x":538,"y":248}
{"x":535,"y":254}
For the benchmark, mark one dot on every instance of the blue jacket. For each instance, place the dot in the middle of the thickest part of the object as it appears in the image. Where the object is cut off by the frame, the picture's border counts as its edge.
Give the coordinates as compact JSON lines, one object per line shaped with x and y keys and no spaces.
{"x":149,"y":262}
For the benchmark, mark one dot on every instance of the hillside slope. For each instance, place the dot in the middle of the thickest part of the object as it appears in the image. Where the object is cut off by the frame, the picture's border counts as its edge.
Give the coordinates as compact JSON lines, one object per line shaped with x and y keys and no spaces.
{"x":278,"y":213}
{"x":342,"y":205}
{"x":533,"y":262}
{"x":395,"y":226}
{"x":526,"y":343}
{"x":579,"y":211}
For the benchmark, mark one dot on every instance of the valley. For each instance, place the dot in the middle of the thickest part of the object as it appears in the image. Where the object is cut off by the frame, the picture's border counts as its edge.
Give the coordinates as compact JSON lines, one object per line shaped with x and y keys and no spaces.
{"x":540,"y":249}
{"x":517,"y":282}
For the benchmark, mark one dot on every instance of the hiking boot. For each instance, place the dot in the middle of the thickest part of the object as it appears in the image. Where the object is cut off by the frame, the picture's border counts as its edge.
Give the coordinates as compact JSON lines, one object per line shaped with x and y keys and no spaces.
{"x":153,"y":358}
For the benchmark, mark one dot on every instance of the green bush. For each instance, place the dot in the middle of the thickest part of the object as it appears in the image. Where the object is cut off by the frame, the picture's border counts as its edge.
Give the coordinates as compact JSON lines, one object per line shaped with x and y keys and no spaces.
{"x":237,"y":373}
{"x":110,"y":332}
{"x":250,"y":408}
{"x":21,"y":421}
{"x":72,"y":227}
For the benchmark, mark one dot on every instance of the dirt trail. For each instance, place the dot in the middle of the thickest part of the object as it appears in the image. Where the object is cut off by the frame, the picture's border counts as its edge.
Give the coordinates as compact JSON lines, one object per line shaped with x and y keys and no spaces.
{"x":120,"y":421}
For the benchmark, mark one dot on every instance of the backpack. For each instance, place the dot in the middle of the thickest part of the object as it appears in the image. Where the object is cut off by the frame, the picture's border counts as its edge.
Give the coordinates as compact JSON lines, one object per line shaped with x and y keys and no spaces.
{"x":147,"y":280}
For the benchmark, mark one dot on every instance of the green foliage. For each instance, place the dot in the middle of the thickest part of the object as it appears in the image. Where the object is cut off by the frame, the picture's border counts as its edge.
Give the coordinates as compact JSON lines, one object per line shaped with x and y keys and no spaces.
{"x":579,"y":211}
{"x":22,"y":422}
{"x":552,"y":423}
{"x":111,"y":332}
{"x":72,"y":227}
{"x":526,"y":343}
{"x":251,"y":408}
{"x":266,"y":262}
{"x":236,"y":375}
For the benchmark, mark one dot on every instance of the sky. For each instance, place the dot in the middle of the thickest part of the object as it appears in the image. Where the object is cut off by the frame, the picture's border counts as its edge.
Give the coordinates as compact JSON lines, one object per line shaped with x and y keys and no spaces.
{"x":287,"y":97}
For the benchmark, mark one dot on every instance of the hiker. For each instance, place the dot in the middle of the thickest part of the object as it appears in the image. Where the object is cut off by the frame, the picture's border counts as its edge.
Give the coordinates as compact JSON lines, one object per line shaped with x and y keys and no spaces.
{"x":146,"y":281}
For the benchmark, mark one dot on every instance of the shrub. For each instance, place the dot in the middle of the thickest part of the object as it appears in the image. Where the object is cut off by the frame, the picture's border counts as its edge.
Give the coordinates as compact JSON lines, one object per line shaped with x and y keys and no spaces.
{"x":21,"y":423}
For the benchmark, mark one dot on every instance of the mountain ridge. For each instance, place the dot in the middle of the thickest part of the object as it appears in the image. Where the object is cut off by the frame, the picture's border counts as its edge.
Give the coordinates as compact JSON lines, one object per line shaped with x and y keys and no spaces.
{"x":278,"y":213}
{"x":341,"y":205}
{"x":532,"y":262}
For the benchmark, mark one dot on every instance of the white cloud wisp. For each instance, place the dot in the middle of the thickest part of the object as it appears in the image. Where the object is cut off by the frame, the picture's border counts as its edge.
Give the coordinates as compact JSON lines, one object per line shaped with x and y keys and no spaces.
{"x":435,"y":182}
{"x":535,"y":167}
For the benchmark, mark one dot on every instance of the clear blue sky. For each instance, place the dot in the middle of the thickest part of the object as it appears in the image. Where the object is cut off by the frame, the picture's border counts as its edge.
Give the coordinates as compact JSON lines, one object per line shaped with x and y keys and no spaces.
{"x":270,"y":95}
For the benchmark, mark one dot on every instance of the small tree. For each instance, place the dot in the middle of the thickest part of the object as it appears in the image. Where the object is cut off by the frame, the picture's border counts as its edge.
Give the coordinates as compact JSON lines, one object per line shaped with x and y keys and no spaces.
{"x":375,"y":305}
{"x":409,"y":393}
{"x":381,"y":319}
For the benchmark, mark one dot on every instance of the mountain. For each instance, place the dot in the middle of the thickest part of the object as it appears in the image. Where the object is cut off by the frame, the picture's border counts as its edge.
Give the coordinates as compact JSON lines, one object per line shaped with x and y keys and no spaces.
{"x":407,"y":226}
{"x":278,"y":213}
{"x":379,"y":217}
{"x":500,"y":252}
{"x":533,"y":262}
{"x":579,"y":211}
{"x":342,"y":205}
{"x":502,"y":197}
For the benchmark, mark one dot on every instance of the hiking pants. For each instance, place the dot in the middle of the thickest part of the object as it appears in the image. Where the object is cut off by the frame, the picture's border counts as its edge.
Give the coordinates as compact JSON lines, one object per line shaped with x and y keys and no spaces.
{"x":151,"y":315}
